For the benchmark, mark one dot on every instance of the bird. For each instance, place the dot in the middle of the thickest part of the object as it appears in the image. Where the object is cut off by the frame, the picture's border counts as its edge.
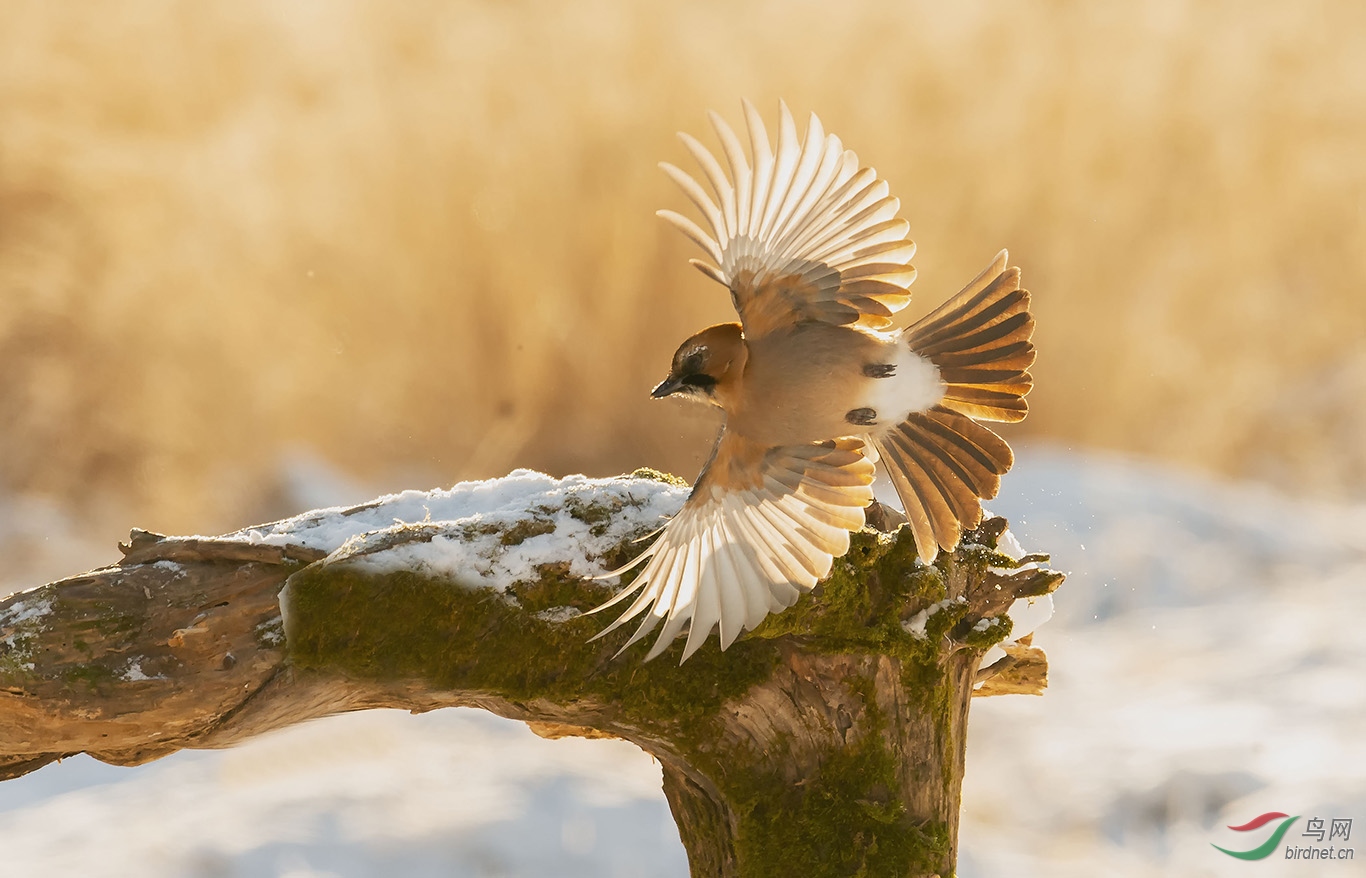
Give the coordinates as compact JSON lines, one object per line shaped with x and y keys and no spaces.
{"x":816,"y":387}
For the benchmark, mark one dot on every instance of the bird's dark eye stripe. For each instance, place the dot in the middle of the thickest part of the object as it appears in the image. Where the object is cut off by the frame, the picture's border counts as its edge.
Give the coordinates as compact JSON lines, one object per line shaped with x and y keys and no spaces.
{"x":699,"y":381}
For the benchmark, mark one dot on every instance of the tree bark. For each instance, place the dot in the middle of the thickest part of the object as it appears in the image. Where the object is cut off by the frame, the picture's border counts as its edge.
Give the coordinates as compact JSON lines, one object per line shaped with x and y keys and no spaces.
{"x":828,"y":742}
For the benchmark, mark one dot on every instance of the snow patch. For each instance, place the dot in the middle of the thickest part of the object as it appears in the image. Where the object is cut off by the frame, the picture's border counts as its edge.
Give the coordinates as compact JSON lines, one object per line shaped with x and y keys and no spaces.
{"x":915,"y":626}
{"x":24,"y":612}
{"x":558,"y":614}
{"x":1009,"y":546}
{"x":1026,"y":615}
{"x":18,"y":625}
{"x":271,"y":632}
{"x":172,"y":566}
{"x":134,"y":673}
{"x":487,"y":534}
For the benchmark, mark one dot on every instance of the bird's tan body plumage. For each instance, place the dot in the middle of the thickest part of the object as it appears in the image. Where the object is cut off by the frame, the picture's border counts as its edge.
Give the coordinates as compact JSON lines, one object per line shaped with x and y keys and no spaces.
{"x":798,"y":383}
{"x":801,"y":382}
{"x":816,"y":386}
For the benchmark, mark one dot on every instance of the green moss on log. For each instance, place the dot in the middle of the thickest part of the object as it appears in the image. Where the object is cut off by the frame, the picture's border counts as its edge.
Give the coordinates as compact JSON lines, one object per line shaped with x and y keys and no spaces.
{"x":655,"y":475}
{"x":89,"y":677}
{"x":407,"y":626}
{"x":847,"y":819}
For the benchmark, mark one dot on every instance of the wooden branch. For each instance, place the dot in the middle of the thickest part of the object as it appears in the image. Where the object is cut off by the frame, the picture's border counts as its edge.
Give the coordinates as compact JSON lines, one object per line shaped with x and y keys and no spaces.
{"x":829,"y":740}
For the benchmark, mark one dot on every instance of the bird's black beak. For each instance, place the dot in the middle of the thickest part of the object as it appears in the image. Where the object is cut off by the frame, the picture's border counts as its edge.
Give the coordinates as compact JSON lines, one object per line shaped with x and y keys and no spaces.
{"x":667,"y":386}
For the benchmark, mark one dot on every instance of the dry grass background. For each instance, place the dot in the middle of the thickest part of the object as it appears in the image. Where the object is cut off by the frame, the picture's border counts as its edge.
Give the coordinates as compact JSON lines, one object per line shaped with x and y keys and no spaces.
{"x":418,"y":238}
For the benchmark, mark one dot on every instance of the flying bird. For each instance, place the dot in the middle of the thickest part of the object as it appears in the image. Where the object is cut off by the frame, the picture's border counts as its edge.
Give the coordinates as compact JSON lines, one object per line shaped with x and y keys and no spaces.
{"x":817,"y":387}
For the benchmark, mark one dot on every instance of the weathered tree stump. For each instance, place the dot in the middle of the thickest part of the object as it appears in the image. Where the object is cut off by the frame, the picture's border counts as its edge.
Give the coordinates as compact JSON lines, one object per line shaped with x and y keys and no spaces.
{"x":828,"y":742}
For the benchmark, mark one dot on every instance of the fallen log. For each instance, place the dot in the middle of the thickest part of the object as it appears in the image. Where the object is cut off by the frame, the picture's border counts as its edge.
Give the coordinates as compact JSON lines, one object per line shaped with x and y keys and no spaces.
{"x":829,"y":741}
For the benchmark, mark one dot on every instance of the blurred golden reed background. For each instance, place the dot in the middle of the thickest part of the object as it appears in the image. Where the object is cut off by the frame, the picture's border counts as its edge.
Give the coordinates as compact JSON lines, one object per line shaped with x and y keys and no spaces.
{"x":418,"y":238}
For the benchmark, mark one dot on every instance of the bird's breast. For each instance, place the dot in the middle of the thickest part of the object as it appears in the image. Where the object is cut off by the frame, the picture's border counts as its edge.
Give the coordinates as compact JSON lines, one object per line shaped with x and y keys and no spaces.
{"x":817,"y":382}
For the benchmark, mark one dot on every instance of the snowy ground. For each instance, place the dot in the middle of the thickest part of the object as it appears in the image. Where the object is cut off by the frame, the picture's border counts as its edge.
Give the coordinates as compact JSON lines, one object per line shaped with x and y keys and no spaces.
{"x":1207,"y":666}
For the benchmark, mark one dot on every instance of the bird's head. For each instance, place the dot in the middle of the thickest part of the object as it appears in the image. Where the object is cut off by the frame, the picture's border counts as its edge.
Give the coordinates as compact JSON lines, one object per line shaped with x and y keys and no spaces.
{"x":710,"y":361}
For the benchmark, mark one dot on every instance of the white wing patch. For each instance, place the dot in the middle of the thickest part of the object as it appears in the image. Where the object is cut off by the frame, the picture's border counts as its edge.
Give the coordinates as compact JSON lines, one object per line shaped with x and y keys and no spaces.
{"x":732,"y":556}
{"x":806,"y":212}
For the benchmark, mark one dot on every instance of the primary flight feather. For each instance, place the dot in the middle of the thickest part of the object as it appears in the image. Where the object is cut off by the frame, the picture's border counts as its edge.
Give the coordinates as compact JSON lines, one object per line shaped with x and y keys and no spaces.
{"x":814,"y":386}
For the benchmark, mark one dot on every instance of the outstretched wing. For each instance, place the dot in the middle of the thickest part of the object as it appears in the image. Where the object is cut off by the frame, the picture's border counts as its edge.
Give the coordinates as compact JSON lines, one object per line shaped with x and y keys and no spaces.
{"x":800,"y":234}
{"x":761,"y":526}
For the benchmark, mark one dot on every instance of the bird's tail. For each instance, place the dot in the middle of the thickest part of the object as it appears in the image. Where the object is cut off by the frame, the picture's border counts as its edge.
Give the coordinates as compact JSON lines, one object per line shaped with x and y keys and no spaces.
{"x":942,"y":462}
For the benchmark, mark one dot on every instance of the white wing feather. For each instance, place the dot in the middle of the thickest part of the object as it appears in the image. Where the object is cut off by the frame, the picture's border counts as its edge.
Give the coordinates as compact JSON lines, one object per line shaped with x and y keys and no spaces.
{"x":733,"y":555}
{"x":804,"y":212}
